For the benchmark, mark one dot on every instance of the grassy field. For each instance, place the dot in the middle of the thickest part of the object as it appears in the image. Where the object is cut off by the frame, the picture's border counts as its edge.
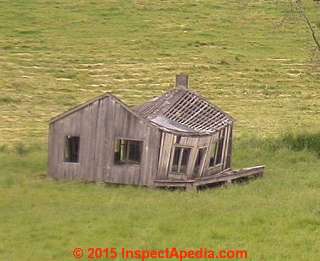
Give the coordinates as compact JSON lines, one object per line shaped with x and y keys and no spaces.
{"x":274,"y":218}
{"x":243,"y":55}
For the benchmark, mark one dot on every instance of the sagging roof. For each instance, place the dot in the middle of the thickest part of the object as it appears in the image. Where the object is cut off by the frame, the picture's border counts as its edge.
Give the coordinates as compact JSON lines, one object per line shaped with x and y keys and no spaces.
{"x":183,"y":110}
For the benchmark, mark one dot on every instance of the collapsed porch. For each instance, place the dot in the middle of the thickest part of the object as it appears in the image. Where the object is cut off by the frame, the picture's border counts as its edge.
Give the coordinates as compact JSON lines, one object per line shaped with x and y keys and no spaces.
{"x":225,"y":177}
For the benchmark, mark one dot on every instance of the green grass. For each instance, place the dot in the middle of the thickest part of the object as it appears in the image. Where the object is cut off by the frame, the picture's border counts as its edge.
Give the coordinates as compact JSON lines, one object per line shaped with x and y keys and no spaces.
{"x":239,"y":54}
{"x":273,"y":218}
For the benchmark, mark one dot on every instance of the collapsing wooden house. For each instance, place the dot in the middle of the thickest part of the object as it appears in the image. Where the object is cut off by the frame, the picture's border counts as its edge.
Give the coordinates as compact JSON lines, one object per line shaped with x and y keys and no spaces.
{"x":176,"y":140}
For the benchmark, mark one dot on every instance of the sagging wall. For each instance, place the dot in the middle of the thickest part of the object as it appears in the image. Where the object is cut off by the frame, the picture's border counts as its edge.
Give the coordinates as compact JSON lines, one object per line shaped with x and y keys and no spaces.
{"x":98,"y":125}
{"x":169,"y":140}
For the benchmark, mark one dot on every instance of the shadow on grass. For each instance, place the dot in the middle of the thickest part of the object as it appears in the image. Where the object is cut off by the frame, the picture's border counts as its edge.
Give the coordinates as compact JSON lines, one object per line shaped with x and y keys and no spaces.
{"x":292,"y":141}
{"x":303,"y":141}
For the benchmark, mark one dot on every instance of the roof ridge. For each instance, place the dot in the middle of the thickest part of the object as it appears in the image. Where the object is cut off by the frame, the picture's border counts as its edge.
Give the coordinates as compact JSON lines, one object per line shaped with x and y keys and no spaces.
{"x":80,"y":106}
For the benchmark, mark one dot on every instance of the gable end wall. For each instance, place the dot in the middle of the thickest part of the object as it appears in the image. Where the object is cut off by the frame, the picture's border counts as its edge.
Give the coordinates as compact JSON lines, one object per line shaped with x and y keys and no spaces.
{"x":98,"y":125}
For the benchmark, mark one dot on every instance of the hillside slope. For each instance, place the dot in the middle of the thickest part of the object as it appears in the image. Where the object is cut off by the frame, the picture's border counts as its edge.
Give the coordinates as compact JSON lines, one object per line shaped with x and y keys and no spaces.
{"x":250,"y":57}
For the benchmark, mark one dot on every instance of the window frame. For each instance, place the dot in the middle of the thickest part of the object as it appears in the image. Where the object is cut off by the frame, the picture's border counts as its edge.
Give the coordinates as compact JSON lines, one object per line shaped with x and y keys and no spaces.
{"x":215,"y":147}
{"x":127,"y":161}
{"x":68,"y":147}
{"x":178,"y":172}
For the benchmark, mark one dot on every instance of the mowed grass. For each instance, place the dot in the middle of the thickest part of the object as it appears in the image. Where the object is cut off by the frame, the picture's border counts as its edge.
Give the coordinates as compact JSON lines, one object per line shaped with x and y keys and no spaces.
{"x":253,"y":58}
{"x":273,"y":218}
{"x":242,"y":55}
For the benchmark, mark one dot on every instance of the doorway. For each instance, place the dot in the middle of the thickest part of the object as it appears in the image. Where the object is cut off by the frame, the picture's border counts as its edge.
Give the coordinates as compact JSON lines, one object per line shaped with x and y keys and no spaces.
{"x":198,"y":165}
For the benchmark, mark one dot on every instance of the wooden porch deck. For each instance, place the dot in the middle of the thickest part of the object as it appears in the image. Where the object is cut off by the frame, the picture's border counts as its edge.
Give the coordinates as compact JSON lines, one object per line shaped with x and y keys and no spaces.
{"x":223,"y":178}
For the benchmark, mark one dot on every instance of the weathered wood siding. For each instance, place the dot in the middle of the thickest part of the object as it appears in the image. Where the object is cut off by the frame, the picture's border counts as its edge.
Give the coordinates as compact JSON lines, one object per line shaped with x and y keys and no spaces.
{"x":167,"y":141}
{"x":123,"y":124}
{"x":98,"y":125}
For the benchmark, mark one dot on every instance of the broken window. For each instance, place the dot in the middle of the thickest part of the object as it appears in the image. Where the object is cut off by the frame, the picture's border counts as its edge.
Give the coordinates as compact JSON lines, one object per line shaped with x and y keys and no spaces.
{"x":127,"y":151}
{"x":199,"y":161}
{"x":71,"y":149}
{"x":180,"y":160}
{"x":216,"y":153}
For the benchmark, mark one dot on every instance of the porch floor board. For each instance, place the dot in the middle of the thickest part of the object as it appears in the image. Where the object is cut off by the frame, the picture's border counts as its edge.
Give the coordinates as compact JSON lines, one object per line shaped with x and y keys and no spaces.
{"x":225,"y":177}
